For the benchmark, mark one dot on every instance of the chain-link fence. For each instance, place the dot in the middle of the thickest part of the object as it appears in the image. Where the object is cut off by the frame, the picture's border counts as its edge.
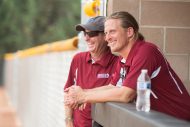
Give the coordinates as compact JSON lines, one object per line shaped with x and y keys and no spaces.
{"x":35,"y":87}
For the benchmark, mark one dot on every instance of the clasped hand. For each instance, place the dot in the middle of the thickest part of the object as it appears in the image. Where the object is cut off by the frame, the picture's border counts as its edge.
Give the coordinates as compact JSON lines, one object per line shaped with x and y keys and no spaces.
{"x":73,"y":97}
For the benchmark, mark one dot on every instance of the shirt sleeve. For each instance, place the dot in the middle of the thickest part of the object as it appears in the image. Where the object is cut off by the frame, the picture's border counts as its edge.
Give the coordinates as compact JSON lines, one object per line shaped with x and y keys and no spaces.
{"x":145,"y":58}
{"x":71,"y":76}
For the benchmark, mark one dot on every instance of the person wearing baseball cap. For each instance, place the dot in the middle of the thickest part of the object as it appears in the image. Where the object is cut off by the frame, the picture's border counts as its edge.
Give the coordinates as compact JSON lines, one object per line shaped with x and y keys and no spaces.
{"x":93,"y":24}
{"x":89,"y":69}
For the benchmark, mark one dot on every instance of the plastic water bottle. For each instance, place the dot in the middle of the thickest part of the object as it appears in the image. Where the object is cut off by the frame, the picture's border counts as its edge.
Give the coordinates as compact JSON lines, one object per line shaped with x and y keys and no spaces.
{"x":143,"y":91}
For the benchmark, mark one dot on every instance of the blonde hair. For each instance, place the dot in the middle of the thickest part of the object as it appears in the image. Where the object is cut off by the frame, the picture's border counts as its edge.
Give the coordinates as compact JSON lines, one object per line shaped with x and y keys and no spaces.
{"x":127,"y":20}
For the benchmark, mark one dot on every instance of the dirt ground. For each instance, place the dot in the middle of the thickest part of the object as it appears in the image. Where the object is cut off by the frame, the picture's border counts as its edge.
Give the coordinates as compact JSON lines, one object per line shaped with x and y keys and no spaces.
{"x":8,"y":117}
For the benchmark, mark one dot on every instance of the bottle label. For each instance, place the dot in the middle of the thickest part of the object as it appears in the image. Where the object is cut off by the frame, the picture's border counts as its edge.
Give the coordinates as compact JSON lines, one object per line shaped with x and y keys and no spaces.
{"x":143,"y":85}
{"x":148,"y":85}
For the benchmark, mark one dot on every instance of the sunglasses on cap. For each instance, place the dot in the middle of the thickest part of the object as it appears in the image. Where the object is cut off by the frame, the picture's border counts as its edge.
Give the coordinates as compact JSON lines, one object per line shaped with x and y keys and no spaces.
{"x":92,"y":33}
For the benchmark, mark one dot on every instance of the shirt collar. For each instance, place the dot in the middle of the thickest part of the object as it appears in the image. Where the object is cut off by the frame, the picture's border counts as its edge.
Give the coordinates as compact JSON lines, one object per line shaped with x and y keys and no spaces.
{"x":123,"y":60}
{"x":88,"y":58}
{"x":128,"y":61}
{"x":104,"y":61}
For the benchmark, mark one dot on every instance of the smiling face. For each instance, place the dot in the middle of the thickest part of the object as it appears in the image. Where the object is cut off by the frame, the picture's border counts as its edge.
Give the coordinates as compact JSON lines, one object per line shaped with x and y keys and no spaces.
{"x":96,"y":43}
{"x":116,"y":36}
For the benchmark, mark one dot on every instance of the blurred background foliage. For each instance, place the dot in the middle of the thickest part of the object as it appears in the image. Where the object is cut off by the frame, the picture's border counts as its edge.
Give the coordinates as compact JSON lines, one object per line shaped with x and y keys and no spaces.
{"x":28,"y":23}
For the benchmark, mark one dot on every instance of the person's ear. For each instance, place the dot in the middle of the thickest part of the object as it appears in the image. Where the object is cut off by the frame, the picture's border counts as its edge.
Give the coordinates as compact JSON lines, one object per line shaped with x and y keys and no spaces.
{"x":130,"y":32}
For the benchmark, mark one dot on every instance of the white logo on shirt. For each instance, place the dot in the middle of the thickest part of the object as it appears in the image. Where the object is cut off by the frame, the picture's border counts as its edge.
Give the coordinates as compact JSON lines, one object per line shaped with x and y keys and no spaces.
{"x":103,"y":75}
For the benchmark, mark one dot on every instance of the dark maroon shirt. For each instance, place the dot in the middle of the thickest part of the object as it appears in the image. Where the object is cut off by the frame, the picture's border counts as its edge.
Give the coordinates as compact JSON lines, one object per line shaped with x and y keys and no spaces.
{"x":173,"y":97}
{"x":89,"y":75}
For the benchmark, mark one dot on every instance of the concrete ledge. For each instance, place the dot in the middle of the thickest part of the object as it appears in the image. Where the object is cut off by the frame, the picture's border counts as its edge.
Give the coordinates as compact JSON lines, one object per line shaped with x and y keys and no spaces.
{"x":113,"y":114}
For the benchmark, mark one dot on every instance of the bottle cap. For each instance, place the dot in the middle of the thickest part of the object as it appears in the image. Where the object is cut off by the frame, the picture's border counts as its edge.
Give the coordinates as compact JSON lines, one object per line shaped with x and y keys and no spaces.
{"x":144,"y":70}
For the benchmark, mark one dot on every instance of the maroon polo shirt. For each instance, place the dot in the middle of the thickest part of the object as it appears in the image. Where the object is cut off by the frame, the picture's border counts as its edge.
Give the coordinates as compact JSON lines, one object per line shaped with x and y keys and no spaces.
{"x":90,"y":74}
{"x":173,"y":98}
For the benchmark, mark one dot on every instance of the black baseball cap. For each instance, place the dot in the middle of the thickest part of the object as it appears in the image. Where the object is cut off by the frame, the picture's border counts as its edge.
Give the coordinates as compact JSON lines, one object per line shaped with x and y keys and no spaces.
{"x":93,"y":24}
